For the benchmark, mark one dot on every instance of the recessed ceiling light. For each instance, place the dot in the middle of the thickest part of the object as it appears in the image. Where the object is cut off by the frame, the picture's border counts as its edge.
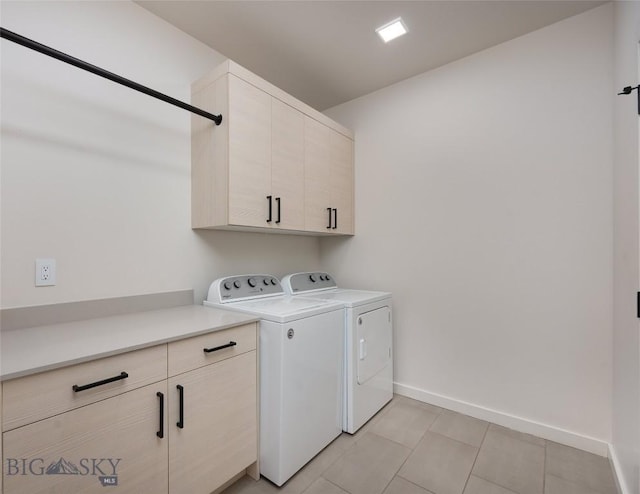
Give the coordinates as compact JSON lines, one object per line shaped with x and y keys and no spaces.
{"x":392,"y":30}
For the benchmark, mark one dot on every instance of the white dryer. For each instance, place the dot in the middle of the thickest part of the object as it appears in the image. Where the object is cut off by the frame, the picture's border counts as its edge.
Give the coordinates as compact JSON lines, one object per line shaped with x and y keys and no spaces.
{"x":368,"y":343}
{"x":301,"y":353}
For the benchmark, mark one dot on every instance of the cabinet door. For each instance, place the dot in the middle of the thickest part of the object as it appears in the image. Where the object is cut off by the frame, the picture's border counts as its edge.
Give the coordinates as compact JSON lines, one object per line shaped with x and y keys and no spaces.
{"x":249,"y":154}
{"x":287,"y":165}
{"x":108,"y":443}
{"x":317,"y":177}
{"x":328,"y":179}
{"x":341,"y":179}
{"x":219,"y":434}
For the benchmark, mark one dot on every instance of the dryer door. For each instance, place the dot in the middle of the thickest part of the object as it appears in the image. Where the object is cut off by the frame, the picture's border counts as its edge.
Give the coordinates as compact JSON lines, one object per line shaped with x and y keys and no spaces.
{"x":374,"y":342}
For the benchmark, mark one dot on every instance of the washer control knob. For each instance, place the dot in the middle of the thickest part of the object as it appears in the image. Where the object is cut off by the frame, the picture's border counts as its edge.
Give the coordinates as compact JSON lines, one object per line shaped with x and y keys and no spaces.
{"x":274,"y":282}
{"x":312,"y":277}
{"x":327,"y":278}
{"x":252,"y":282}
{"x":227,"y":285}
{"x":236,"y":283}
{"x":265,"y":281}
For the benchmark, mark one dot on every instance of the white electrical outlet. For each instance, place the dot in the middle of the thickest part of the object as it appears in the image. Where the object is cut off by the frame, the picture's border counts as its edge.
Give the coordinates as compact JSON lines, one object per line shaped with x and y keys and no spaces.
{"x":45,"y":272}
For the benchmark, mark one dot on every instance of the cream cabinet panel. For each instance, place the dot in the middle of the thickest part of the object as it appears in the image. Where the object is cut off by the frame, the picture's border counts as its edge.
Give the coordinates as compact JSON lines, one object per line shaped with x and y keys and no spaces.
{"x":31,"y":398}
{"x":328,"y":179}
{"x":317,"y":178}
{"x":209,"y":158}
{"x":249,"y":118}
{"x":84,"y":450}
{"x":341,"y":177}
{"x":190,"y":354}
{"x":287,"y":166}
{"x":213,"y":432}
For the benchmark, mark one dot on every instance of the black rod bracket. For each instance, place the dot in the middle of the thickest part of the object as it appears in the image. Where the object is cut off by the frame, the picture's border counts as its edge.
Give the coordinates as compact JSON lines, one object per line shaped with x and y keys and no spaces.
{"x":63,"y":57}
{"x":628,"y":90}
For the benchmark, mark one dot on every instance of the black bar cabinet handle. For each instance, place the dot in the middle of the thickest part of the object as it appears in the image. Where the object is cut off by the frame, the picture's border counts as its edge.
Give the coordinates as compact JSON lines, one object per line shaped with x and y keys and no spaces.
{"x":180,"y":422}
{"x":329,"y":209}
{"x":81,"y":64}
{"x":160,"y":432}
{"x":278,"y":201}
{"x":335,"y":218}
{"x":76,"y":388}
{"x":230,"y":344}
{"x":270,"y":209}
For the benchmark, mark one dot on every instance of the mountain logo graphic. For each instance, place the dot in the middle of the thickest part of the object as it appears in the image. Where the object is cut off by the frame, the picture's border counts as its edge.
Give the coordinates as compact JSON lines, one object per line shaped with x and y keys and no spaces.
{"x":62,"y":467}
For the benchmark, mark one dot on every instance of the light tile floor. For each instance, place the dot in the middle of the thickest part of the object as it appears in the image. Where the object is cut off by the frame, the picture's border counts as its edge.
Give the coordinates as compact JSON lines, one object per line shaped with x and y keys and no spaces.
{"x":410,"y":447}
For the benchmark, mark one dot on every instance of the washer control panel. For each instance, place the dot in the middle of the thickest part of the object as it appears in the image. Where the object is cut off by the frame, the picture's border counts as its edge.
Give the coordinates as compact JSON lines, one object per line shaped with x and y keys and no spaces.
{"x":305,"y":282}
{"x":247,"y":286}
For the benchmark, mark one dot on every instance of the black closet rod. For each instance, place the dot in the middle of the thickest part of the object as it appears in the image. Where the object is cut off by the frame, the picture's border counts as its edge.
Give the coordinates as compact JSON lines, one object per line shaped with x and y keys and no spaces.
{"x":39,"y":47}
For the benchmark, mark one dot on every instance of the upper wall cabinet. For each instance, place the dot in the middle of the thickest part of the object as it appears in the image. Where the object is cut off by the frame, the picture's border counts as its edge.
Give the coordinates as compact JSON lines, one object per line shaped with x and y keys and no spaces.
{"x":328,"y":180}
{"x":274,"y":164}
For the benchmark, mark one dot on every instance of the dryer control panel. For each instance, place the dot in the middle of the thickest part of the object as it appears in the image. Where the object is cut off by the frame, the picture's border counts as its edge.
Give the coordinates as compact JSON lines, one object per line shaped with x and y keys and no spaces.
{"x":243,"y":287}
{"x":305,"y":282}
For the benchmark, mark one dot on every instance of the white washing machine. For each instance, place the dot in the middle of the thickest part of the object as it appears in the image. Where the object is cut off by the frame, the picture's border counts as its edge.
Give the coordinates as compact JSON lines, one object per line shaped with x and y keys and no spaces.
{"x":368,"y":343}
{"x":301,"y":369}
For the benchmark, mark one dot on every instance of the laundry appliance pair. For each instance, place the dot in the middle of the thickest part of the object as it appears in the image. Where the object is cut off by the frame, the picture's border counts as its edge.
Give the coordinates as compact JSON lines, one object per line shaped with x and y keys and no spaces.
{"x":326,"y":360}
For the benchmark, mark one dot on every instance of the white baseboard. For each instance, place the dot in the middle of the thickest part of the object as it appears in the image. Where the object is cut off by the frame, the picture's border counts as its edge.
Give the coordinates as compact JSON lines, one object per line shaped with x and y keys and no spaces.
{"x":520,"y":424}
{"x":621,"y":484}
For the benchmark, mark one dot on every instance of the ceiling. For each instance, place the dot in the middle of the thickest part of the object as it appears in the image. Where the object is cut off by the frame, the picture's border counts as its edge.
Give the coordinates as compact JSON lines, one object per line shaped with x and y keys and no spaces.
{"x":327,"y":52}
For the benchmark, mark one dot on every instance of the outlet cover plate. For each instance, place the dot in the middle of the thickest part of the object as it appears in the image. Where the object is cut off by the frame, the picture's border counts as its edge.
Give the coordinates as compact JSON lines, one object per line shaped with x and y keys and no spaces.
{"x":45,"y":272}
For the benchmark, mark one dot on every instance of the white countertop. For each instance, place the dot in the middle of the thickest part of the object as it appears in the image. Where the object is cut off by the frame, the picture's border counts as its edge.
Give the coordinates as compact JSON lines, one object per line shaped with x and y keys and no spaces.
{"x":31,"y":350}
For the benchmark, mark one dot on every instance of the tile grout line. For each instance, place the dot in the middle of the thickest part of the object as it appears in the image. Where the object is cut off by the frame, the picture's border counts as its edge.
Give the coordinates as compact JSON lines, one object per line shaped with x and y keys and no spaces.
{"x":412,"y":483}
{"x":409,"y":455}
{"x":516,"y":439}
{"x":493,"y":482}
{"x":428,"y":429}
{"x":327,"y":480}
{"x":476,"y":457}
{"x":544,"y":468}
{"x":442,"y":410}
{"x":366,"y":429}
{"x":544,"y":464}
{"x":456,"y":440}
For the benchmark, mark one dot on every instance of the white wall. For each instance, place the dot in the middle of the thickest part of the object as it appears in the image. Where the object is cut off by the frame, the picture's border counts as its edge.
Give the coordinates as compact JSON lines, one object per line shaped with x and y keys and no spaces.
{"x":96,"y":175}
{"x":626,"y":335}
{"x":484,"y":203}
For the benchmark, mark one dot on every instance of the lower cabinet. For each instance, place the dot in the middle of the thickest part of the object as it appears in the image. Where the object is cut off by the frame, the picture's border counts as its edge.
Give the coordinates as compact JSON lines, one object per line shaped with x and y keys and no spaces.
{"x":108,"y":443}
{"x":213,"y":435}
{"x":190,"y":432}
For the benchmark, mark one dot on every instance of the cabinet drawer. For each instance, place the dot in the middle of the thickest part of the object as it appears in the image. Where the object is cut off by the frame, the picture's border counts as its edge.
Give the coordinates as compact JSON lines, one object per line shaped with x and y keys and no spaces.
{"x":32,"y":398}
{"x":189,"y":354}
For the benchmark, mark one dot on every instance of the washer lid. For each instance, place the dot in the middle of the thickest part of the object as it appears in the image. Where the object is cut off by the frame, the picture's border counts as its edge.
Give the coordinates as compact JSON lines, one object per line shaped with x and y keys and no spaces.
{"x":350,"y":298}
{"x":283,"y":308}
